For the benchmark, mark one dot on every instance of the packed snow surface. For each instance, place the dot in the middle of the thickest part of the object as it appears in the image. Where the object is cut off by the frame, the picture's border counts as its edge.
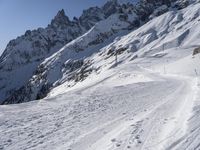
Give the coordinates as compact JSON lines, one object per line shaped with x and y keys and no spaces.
{"x":129,"y":107}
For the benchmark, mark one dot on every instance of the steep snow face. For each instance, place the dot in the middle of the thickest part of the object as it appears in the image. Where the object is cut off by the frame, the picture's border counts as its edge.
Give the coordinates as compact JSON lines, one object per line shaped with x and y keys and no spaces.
{"x":174,"y":29}
{"x":171,"y":38}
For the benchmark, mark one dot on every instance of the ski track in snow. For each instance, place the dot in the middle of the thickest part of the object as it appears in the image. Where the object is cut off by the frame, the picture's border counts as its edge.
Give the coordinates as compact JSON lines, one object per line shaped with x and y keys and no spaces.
{"x":139,"y":115}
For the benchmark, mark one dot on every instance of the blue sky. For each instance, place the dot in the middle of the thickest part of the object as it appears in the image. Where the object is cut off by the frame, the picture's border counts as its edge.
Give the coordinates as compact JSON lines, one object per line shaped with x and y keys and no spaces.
{"x":17,"y":16}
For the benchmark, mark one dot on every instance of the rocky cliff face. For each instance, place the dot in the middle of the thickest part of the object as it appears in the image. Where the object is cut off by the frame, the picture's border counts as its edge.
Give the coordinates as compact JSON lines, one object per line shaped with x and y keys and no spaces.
{"x":34,"y":63}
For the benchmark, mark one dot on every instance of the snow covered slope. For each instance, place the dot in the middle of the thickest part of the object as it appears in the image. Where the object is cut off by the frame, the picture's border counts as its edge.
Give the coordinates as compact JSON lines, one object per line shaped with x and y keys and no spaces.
{"x":73,"y":61}
{"x":126,"y":108}
{"x":115,"y":89}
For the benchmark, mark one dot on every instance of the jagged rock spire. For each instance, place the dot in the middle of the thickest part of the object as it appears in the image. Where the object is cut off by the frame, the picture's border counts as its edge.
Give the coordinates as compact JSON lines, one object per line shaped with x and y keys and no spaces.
{"x":60,"y":19}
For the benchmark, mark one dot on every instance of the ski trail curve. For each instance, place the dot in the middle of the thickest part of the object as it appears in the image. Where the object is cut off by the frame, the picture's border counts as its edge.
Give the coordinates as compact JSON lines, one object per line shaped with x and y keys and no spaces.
{"x":168,"y":121}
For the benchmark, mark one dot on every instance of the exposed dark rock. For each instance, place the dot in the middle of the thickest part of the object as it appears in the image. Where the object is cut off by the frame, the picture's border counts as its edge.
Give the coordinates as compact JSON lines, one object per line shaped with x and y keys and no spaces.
{"x":42,"y":93}
{"x":196,"y":51}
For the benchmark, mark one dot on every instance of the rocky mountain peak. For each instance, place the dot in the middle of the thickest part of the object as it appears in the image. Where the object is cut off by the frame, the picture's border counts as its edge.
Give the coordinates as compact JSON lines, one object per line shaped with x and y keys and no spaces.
{"x":61,"y":13}
{"x":110,"y":7}
{"x":60,"y":19}
{"x":91,"y":16}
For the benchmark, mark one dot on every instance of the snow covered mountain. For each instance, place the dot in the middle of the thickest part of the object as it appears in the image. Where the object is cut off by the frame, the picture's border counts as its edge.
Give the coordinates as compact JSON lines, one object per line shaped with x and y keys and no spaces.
{"x":28,"y":52}
{"x":89,"y":54}
{"x":121,"y":77}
